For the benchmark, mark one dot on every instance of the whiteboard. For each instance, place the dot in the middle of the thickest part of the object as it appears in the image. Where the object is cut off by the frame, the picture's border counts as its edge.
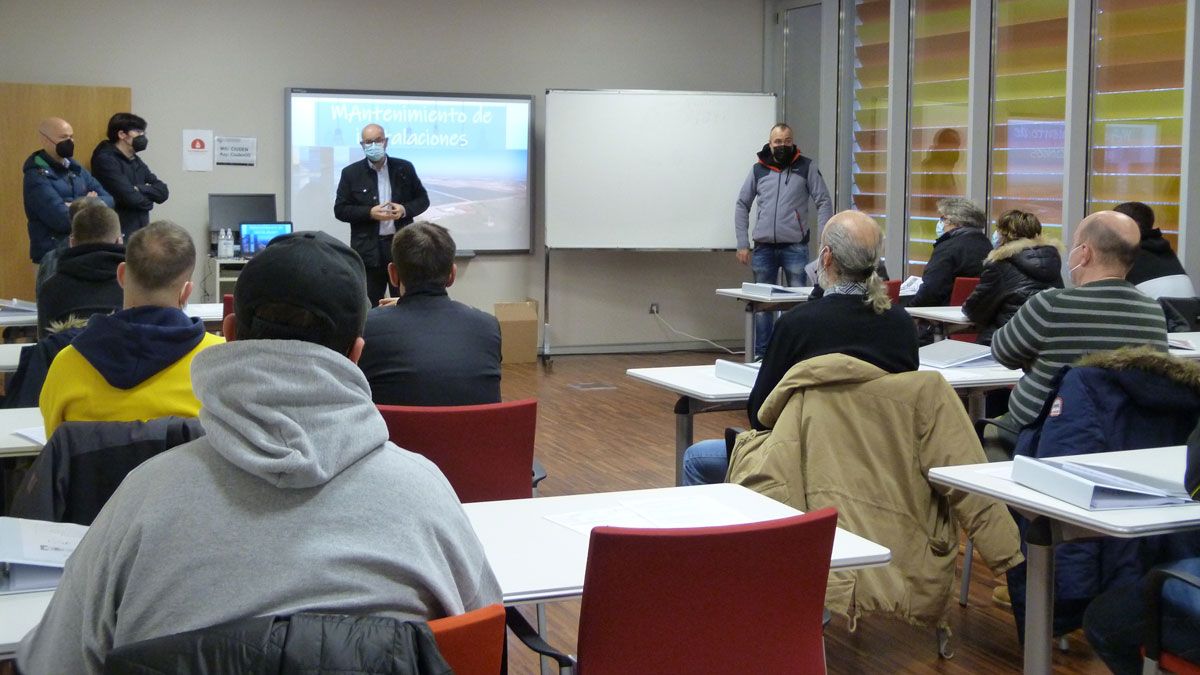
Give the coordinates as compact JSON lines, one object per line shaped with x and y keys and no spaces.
{"x":649,"y":169}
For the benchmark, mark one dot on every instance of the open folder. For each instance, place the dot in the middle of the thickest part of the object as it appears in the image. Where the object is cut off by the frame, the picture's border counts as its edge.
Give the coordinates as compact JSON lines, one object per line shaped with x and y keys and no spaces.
{"x":33,"y":553}
{"x":1094,"y":487}
{"x":771,"y":291}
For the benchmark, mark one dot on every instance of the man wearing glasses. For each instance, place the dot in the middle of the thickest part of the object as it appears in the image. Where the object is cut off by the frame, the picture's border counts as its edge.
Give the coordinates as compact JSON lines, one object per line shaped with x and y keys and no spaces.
{"x":378,"y":196}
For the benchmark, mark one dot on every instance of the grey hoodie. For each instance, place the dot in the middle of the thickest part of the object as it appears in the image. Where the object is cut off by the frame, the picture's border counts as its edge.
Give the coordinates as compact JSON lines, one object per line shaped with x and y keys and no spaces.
{"x":294,"y":501}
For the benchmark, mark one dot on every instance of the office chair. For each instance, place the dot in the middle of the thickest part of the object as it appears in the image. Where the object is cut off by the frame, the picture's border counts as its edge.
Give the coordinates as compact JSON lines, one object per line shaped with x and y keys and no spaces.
{"x":749,"y":599}
{"x":963,"y":287}
{"x":472,"y":643}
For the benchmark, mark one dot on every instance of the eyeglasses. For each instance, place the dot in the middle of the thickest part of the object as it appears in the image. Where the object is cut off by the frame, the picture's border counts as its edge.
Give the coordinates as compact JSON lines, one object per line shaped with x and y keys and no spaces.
{"x":373,"y":141}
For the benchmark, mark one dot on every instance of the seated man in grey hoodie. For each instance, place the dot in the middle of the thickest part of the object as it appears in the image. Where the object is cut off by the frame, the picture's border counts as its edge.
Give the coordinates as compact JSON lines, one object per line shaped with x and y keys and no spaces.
{"x":295,"y":500}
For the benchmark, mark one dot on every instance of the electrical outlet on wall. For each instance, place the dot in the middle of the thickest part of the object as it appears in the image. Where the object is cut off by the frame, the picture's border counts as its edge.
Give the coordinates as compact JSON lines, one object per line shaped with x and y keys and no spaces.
{"x":654,"y":308}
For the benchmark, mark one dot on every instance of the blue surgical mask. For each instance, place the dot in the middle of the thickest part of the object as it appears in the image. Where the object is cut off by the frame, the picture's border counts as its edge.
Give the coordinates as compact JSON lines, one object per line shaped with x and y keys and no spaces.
{"x":374,"y":151}
{"x":940,"y":228}
{"x":995,"y":238}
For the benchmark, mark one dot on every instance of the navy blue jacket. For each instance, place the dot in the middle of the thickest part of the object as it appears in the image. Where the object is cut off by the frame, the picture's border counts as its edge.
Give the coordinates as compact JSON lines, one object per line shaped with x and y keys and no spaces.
{"x":49,"y":187}
{"x":135,"y":189}
{"x":1123,"y":400}
{"x":358,"y":192}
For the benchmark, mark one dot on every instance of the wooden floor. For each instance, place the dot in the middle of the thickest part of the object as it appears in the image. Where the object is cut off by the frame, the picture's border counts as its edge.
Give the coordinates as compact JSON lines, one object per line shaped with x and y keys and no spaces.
{"x":599,"y":430}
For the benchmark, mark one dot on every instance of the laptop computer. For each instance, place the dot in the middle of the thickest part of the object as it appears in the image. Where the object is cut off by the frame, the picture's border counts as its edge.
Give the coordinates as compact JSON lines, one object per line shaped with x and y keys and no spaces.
{"x":256,"y":236}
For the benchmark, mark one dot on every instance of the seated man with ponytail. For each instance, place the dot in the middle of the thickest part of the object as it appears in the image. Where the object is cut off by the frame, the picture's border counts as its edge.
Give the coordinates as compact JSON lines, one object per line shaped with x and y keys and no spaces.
{"x":854,"y":317}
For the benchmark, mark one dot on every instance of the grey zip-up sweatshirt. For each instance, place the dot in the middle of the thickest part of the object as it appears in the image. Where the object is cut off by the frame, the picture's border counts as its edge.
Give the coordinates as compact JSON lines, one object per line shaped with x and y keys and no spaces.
{"x":294,"y":501}
{"x":782,"y":195}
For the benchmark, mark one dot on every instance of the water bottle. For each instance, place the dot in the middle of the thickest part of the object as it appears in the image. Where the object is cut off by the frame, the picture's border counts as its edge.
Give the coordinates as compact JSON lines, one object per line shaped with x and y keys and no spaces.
{"x":225,"y":244}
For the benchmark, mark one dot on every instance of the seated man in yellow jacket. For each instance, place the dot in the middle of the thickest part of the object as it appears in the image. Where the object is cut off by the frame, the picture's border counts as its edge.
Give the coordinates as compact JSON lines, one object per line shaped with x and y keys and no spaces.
{"x":134,"y":364}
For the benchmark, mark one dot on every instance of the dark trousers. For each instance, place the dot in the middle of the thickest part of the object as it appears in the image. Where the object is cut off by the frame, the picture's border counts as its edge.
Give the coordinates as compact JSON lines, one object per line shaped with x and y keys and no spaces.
{"x":377,"y":277}
{"x":1115,"y":622}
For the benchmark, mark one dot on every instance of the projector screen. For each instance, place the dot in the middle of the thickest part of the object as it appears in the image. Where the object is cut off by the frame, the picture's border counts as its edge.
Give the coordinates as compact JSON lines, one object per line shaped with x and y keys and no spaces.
{"x":471,"y":152}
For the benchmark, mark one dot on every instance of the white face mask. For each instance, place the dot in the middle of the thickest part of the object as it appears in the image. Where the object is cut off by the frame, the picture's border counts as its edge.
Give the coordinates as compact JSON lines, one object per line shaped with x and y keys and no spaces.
{"x":995,"y":238}
{"x":1071,"y":271}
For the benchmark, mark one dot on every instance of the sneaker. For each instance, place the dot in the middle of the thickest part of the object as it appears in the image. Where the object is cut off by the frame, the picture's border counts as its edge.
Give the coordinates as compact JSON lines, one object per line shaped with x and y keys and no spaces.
{"x":1001,"y":597}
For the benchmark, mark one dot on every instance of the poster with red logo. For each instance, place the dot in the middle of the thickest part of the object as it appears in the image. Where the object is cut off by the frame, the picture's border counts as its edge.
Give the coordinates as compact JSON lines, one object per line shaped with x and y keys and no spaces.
{"x":197,"y":150}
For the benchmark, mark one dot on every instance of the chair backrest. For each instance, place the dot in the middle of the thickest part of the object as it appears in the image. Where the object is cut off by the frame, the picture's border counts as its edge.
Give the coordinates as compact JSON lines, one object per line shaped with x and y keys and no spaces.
{"x":1170,"y":286}
{"x":738,"y":598}
{"x":963,"y":287}
{"x":485,"y":451}
{"x":472,"y":643}
{"x":226,"y":305}
{"x":893,"y":289}
{"x":83,"y":464}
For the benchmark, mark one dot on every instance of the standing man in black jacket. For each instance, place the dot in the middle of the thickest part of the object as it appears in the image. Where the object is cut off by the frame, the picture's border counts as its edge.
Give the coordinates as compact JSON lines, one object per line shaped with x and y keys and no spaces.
{"x":378,"y":196}
{"x":115,"y":163}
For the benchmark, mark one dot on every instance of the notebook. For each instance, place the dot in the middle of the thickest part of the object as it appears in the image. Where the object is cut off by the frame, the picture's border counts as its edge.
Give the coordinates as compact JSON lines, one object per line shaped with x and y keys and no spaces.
{"x":955,"y":354}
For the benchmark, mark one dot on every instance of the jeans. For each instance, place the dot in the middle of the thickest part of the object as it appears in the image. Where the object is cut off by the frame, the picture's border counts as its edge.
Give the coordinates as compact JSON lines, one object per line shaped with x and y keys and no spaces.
{"x":1115,"y":621}
{"x":766,"y":261}
{"x":705,"y":463}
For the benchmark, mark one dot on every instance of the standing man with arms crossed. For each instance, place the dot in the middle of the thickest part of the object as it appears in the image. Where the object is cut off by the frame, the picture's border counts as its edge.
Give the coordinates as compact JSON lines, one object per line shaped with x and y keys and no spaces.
{"x":781,"y":183}
{"x":116,"y":164}
{"x":378,"y":196}
{"x":52,"y":181}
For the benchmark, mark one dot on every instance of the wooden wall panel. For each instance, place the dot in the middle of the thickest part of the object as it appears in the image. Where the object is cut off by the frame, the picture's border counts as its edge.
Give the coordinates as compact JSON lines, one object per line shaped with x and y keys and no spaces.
{"x":22,"y":108}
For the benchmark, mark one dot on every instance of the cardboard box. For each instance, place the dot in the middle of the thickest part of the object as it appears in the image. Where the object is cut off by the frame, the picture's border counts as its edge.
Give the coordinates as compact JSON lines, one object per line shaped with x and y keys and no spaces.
{"x":518,"y":331}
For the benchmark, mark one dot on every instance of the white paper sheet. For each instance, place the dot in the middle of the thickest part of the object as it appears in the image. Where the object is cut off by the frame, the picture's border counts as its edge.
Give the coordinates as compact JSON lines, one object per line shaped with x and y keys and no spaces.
{"x":654,"y":512}
{"x":35,"y":434}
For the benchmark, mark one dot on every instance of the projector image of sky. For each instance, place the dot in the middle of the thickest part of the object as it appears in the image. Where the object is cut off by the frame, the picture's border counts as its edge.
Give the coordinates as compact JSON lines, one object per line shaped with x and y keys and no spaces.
{"x":472,"y":157}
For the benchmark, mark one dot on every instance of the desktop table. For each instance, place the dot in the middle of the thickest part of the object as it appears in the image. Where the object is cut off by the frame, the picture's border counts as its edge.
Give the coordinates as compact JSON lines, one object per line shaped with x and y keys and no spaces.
{"x":1053,"y":521}
{"x":209,"y":312}
{"x":701,"y":391}
{"x":536,"y":559}
{"x":12,"y":445}
{"x":757,"y":303}
{"x":10,"y":356}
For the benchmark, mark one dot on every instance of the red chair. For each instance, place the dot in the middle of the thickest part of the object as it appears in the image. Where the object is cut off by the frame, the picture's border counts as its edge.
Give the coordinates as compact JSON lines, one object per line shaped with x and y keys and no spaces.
{"x":472,"y":643}
{"x":226,"y":305}
{"x":893,"y":289}
{"x":963,"y":287}
{"x":485,"y":451}
{"x":746,"y":598}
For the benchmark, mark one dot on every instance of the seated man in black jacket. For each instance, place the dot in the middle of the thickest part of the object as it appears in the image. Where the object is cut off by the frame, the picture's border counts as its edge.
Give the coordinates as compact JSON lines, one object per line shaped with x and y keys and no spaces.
{"x":1156,"y":271}
{"x":959,"y":251}
{"x":427,"y":349}
{"x":85,"y":280}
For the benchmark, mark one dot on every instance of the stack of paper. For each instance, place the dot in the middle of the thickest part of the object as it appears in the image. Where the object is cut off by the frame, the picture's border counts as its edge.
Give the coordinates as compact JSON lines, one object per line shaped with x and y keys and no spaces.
{"x":955,"y":354}
{"x":910,"y":286}
{"x":1094,"y":487}
{"x":33,"y":553}
{"x":771,"y":291}
{"x":16,"y":305}
{"x":741,"y":373}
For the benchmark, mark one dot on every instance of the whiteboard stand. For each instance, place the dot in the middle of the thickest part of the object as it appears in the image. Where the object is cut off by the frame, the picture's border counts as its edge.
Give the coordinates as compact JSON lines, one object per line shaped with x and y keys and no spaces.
{"x":546,"y":363}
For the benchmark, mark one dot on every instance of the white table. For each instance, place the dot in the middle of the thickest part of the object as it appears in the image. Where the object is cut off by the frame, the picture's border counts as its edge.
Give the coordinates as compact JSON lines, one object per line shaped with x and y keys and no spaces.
{"x":10,"y":356}
{"x":12,"y":445}
{"x":208,"y":312}
{"x":757,"y":303}
{"x":19,"y":613}
{"x":1053,"y":521}
{"x":701,"y":391}
{"x":537,"y":560}
{"x":952,"y":316}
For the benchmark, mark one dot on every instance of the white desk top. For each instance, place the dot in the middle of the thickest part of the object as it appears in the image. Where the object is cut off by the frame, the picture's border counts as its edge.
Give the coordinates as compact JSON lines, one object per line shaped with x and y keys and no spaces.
{"x":700,"y":382}
{"x":10,"y":356}
{"x":12,"y":445}
{"x":949,"y":315}
{"x":993,"y":480}
{"x":19,"y":613}
{"x":207,"y":312}
{"x":536,"y":559}
{"x":800,"y":296}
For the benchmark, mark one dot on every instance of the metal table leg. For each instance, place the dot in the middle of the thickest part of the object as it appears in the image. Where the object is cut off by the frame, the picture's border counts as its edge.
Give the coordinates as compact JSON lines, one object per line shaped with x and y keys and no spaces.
{"x":749,"y":332}
{"x":684,"y":412}
{"x":1039,"y":596}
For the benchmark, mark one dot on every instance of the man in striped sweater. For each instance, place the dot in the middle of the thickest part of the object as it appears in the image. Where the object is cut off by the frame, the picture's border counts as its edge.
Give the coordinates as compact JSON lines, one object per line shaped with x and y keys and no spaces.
{"x":1102,"y":311}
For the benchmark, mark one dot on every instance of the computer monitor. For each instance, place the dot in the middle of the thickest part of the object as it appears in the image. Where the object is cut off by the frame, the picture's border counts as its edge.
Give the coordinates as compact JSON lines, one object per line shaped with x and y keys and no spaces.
{"x":256,"y":236}
{"x":229,"y":211}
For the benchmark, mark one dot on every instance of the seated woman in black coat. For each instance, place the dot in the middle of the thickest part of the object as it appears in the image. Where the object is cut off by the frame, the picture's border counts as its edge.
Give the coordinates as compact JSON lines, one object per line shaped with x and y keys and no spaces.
{"x":1022,"y":264}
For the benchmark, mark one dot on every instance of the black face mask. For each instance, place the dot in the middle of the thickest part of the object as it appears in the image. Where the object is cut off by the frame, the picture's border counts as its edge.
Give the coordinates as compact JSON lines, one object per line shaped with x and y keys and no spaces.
{"x":65,"y":149}
{"x":139,"y":143}
{"x":783,"y":153}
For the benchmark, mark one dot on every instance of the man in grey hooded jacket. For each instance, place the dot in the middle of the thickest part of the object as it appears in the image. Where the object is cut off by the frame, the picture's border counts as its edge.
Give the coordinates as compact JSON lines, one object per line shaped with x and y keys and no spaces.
{"x":295,"y":500}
